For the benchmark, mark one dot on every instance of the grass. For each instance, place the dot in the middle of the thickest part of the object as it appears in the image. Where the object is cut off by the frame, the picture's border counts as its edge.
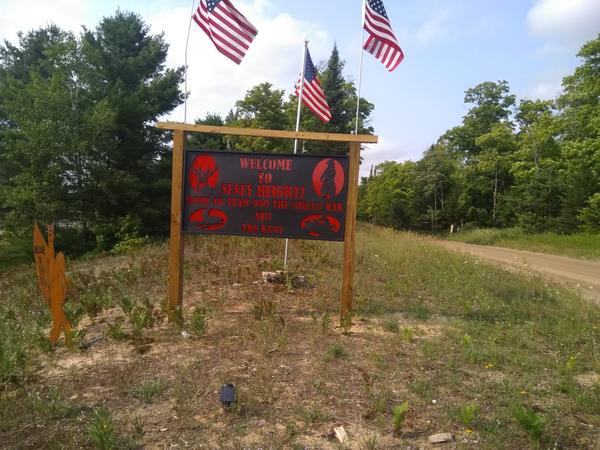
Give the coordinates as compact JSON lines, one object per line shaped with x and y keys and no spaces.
{"x":467,"y":414}
{"x":398,"y":415}
{"x":199,"y":321}
{"x":150,"y":390}
{"x":532,"y":422}
{"x":336,"y":351}
{"x":508,"y":352}
{"x":391,"y":326}
{"x":579,"y":245}
{"x":101,"y":430}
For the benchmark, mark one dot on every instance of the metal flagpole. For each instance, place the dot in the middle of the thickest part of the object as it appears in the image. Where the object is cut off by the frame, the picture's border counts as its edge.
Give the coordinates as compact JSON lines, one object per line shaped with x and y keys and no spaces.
{"x":362,"y":52}
{"x":185,"y":75}
{"x":285,"y":255}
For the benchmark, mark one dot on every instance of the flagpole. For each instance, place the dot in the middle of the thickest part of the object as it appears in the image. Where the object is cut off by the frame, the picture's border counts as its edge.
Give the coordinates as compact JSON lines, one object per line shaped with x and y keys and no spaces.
{"x":185,"y":75}
{"x":285,"y":255}
{"x":362,"y":52}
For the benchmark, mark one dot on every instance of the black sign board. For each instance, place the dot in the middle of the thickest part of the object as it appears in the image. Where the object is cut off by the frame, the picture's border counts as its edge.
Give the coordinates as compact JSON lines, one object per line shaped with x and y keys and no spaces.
{"x":270,"y":195}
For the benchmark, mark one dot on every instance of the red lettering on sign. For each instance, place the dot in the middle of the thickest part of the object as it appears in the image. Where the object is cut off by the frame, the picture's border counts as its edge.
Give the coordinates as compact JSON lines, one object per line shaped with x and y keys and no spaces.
{"x":241,"y":190}
{"x":290,"y":192}
{"x":334,"y":207}
{"x":266,"y":164}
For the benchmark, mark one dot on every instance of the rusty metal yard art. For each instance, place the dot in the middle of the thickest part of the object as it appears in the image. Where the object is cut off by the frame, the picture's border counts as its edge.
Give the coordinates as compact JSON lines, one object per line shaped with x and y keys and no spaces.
{"x":50,"y":270}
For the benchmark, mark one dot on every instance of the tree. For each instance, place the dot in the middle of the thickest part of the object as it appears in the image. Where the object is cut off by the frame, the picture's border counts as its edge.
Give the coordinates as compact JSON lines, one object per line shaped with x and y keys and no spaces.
{"x":53,"y":133}
{"x":126,"y":67}
{"x":580,"y":132}
{"x":491,"y":104}
{"x":537,"y":194}
{"x":341,"y":97}
{"x":493,"y":161}
{"x":389,"y":195}
{"x":208,"y":141}
{"x":262,"y":107}
{"x":434,"y":182}
{"x":77,"y":143}
{"x":590,"y":215}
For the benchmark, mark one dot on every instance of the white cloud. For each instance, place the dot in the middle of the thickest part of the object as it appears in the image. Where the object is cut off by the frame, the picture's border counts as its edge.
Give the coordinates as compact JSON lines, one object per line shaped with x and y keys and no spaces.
{"x":566,"y":22}
{"x":384,"y":150}
{"x":25,"y":16}
{"x":547,"y":90}
{"x":214,"y":82}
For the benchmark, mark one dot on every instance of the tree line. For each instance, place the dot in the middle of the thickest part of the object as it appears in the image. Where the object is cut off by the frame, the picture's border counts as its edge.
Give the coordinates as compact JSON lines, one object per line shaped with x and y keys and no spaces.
{"x":534,"y":164}
{"x":77,"y":143}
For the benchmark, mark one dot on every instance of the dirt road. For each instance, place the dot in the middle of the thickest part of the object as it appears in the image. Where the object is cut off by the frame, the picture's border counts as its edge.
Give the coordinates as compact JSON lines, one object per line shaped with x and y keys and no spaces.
{"x":580,"y":274}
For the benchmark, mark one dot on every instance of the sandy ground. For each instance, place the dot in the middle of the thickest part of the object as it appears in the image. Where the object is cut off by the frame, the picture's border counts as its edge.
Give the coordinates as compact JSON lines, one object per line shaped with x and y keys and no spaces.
{"x":580,"y":274}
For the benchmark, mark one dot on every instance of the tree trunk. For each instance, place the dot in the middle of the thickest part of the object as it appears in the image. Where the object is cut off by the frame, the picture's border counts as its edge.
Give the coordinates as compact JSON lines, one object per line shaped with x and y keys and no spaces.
{"x":495,"y":197}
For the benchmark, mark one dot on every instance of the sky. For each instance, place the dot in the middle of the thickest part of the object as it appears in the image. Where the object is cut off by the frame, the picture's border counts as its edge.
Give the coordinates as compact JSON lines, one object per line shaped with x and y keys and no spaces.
{"x":449,"y":46}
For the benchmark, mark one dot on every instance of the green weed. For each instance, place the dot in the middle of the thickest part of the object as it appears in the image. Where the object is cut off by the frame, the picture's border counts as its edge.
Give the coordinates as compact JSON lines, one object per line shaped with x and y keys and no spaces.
{"x":391,"y":326}
{"x":398,"y":415}
{"x":101,"y":430}
{"x":419,"y":310}
{"x":148,"y":391}
{"x":126,"y":303}
{"x":116,"y":332}
{"x":52,"y":405}
{"x":532,"y":422}
{"x":467,"y":414}
{"x":199,"y":321}
{"x":336,"y":351}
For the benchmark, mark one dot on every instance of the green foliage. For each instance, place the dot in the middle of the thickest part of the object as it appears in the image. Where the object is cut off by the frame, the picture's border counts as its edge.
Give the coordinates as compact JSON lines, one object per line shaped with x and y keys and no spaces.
{"x":533,"y":423}
{"x":52,"y":405}
{"x":148,"y":391}
{"x":391,"y":326}
{"x":535,"y":165}
{"x":336,"y":351}
{"x":116,"y":332}
{"x":590,"y":215}
{"x":398,"y":415}
{"x":77,"y":142}
{"x":199,"y":321}
{"x":467,"y":414}
{"x":101,"y":430}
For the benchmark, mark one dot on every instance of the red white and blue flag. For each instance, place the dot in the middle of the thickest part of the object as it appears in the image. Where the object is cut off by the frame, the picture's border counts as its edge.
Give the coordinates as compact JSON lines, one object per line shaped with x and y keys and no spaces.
{"x":381,"y":42}
{"x":312,"y":92}
{"x":226,"y":27}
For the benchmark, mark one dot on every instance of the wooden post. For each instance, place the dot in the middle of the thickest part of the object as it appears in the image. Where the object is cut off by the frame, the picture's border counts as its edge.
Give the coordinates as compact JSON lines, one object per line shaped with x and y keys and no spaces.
{"x":350,"y":235}
{"x":176,"y":240}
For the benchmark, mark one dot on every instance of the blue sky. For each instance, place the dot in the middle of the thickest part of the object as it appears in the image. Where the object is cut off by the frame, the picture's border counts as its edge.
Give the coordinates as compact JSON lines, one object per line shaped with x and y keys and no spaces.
{"x":449,"y":47}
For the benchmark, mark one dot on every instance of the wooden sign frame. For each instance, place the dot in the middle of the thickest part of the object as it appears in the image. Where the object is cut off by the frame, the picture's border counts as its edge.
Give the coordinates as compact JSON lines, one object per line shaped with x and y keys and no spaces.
{"x":176,"y":248}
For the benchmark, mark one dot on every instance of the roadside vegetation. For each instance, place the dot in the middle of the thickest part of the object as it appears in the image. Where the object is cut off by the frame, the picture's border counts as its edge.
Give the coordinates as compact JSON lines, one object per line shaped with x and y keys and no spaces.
{"x":580,"y":245}
{"x":439,"y":343}
{"x":531,"y":164}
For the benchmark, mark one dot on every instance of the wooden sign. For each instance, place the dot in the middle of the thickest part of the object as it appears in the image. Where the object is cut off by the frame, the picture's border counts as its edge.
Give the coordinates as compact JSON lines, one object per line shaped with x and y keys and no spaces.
{"x":323,"y":188}
{"x":268,"y":195}
{"x":50,"y":270}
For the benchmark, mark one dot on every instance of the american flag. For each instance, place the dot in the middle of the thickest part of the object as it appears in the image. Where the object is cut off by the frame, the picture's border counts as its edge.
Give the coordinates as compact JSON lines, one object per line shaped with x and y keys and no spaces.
{"x":226,"y":27}
{"x":381,"y":42}
{"x":312,"y":92}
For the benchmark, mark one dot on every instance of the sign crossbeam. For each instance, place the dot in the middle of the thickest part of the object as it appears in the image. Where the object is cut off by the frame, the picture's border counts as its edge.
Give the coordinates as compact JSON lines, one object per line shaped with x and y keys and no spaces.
{"x":281,"y":134}
{"x":176,"y":248}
